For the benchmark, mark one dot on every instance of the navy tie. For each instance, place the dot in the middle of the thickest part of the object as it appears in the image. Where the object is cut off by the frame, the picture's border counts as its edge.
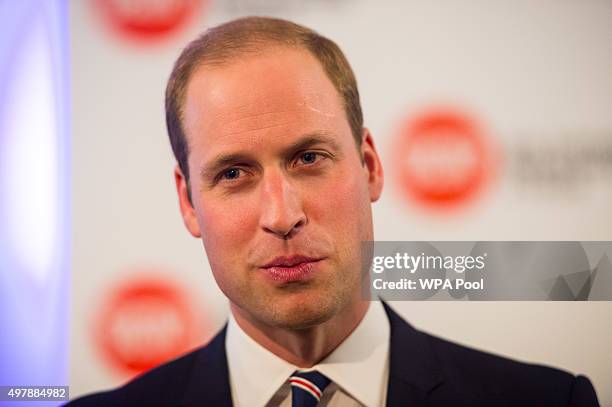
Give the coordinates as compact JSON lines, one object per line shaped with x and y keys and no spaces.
{"x":307,"y":388}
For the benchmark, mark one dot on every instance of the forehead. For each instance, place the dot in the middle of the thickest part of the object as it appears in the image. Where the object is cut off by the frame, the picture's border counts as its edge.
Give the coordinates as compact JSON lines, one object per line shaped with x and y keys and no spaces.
{"x":256,"y":98}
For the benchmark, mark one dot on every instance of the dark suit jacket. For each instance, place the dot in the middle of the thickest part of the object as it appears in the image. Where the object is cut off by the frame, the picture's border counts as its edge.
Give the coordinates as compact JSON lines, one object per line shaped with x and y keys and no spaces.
{"x":424,"y":371}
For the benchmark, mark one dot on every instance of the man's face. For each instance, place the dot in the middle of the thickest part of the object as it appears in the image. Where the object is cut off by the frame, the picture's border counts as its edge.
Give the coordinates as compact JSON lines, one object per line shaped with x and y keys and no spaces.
{"x":280,"y":195}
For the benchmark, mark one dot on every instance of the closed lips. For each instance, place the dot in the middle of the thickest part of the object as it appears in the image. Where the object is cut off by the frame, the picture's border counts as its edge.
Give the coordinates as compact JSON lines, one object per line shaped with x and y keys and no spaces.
{"x":289,"y":261}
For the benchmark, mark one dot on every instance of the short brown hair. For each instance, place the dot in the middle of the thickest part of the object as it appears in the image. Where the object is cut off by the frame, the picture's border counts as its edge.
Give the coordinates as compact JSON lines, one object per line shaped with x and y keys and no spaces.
{"x":218,"y":45}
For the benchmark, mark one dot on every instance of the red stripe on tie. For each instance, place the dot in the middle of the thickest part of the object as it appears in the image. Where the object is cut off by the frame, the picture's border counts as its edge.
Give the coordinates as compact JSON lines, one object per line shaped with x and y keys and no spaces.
{"x":313,"y":388}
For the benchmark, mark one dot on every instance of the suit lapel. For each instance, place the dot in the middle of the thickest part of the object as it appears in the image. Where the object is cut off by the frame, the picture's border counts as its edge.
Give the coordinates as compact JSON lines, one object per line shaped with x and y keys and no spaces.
{"x":209,"y":382}
{"x":413,"y":366}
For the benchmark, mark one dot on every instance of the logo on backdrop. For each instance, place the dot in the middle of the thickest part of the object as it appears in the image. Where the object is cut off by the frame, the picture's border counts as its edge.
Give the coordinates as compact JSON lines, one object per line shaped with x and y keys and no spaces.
{"x":443,"y":158}
{"x":144,"y":322}
{"x":147,"y":20}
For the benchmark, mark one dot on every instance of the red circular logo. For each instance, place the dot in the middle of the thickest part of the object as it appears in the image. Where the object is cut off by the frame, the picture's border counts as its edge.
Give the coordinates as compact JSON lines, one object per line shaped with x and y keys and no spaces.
{"x":148,"y":19}
{"x":146,"y":322}
{"x":443,"y":158}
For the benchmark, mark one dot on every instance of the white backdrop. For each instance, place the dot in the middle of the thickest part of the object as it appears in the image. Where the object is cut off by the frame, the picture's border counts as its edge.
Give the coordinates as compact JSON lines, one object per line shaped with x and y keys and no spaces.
{"x":536,"y":75}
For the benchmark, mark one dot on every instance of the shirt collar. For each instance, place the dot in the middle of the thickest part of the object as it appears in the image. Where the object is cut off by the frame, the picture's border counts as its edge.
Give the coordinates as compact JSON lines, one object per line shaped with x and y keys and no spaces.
{"x":359,"y":365}
{"x":255,"y":373}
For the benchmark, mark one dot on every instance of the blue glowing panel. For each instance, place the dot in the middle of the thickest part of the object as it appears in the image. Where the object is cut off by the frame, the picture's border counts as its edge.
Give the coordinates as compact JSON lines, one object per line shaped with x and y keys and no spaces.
{"x":34,"y":192}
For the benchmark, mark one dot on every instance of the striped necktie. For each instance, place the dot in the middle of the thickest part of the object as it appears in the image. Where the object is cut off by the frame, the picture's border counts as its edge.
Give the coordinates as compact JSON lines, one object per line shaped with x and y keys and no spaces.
{"x":307,"y":388}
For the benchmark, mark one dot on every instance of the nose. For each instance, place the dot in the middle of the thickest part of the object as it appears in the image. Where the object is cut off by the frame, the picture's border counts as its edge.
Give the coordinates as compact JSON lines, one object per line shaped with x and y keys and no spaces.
{"x":282,"y":212}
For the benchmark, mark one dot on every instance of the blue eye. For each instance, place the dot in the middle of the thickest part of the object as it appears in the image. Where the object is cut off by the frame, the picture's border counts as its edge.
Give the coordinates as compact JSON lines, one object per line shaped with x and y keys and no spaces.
{"x":309,"y":158}
{"x":232,"y":173}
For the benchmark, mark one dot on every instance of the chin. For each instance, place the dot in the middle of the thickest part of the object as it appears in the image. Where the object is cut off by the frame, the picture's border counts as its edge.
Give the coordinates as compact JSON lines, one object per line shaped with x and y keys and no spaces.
{"x":300,"y":314}
{"x":297,"y":322}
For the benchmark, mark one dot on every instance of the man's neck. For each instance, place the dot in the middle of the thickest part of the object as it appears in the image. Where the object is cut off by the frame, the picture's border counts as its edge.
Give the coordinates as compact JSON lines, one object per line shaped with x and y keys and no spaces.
{"x":304,"y":347}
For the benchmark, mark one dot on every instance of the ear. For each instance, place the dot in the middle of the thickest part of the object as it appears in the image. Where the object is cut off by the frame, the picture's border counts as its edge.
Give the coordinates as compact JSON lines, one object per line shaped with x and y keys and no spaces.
{"x":187,"y":210}
{"x":372,"y":165}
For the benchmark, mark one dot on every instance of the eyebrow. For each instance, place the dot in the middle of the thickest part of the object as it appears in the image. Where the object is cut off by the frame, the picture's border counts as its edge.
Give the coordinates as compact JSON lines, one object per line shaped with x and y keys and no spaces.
{"x":306,"y":141}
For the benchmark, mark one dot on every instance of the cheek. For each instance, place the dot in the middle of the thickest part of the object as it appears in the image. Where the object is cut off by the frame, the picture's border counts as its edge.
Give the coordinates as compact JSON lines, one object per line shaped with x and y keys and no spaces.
{"x":226,"y":227}
{"x":343,"y":205}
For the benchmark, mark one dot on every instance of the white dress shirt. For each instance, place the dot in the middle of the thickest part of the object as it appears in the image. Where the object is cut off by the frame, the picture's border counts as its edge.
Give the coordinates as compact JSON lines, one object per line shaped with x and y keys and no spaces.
{"x":358,"y":367}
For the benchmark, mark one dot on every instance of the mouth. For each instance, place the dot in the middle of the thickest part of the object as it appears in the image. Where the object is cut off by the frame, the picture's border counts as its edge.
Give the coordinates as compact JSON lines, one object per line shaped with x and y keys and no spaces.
{"x":291,"y":269}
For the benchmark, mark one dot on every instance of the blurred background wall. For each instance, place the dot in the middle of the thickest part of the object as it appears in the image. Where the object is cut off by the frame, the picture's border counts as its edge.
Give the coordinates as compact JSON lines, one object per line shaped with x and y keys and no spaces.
{"x":493,"y":120}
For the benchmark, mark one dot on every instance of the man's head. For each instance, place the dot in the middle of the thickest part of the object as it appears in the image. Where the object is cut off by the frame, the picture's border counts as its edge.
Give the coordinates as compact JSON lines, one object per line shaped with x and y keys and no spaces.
{"x":276,"y":173}
{"x":226,"y":43}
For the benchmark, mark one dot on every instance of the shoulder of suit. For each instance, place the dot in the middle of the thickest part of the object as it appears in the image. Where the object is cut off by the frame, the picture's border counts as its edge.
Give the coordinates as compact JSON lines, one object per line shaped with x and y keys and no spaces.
{"x":465,"y":373}
{"x":155,"y":387}
{"x":508,"y":382}
{"x":467,"y":361}
{"x":491,"y":376}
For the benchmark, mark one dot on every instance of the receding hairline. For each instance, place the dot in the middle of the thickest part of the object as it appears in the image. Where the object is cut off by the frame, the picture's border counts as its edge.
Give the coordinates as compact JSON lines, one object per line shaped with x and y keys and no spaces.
{"x":236,"y":55}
